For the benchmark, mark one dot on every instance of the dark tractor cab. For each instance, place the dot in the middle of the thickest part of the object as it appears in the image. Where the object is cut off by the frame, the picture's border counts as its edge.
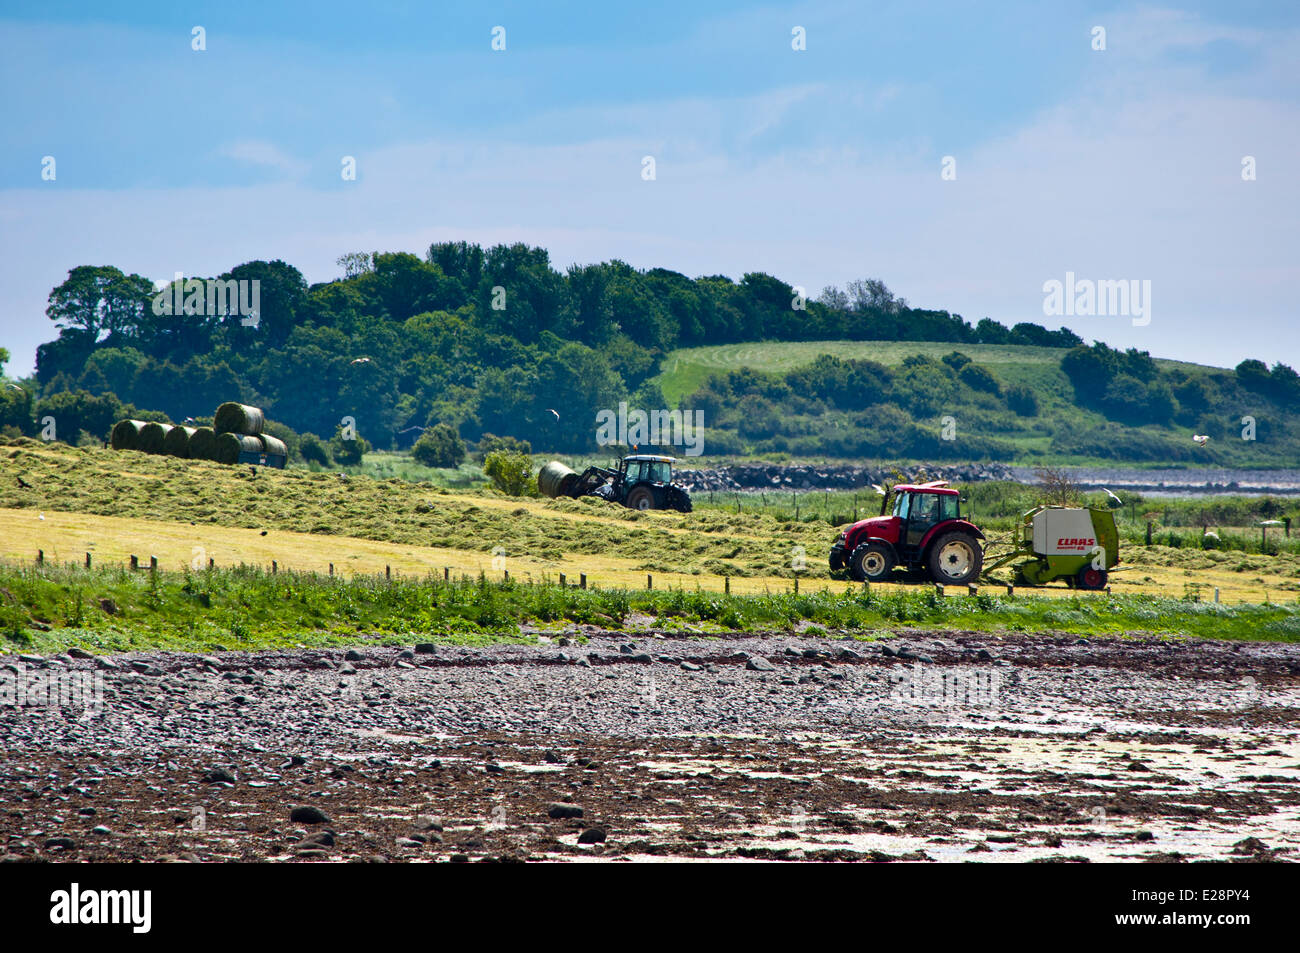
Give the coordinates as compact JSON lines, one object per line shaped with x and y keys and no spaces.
{"x":644,"y":481}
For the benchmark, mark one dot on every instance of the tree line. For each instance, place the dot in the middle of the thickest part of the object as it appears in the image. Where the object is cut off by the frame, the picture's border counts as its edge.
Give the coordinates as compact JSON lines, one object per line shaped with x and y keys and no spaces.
{"x":482,"y":340}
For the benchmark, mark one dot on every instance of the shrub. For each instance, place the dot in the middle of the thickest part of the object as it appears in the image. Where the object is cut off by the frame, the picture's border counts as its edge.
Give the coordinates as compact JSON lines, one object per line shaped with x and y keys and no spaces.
{"x":313,"y":449}
{"x":1023,"y":401}
{"x":956,"y":360}
{"x":511,"y":473}
{"x":348,"y":452}
{"x":978,"y":377}
{"x":439,"y":446}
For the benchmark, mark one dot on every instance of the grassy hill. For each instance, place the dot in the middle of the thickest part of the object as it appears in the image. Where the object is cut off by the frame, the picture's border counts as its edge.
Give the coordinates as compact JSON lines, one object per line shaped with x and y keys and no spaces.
{"x":682,"y":371}
{"x":807,"y":418}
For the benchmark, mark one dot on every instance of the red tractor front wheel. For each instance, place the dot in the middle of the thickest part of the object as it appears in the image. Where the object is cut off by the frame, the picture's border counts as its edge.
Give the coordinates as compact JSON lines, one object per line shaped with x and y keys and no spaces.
{"x":871,"y":562}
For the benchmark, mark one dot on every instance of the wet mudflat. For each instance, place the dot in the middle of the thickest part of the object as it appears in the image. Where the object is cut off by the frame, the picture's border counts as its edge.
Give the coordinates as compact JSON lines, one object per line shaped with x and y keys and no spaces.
{"x":613,"y":746}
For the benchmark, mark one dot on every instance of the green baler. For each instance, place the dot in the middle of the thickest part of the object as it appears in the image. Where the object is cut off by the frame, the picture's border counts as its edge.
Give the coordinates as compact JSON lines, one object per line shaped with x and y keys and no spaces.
{"x":1078,"y":545}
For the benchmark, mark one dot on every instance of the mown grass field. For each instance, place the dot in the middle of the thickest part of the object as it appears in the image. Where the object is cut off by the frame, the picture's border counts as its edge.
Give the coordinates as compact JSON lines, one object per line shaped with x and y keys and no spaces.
{"x":115,"y":505}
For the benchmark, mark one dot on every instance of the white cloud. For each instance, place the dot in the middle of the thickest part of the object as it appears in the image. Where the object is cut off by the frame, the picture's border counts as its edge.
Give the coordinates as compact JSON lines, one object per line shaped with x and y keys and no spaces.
{"x":265,"y":154}
{"x":1136,"y":176}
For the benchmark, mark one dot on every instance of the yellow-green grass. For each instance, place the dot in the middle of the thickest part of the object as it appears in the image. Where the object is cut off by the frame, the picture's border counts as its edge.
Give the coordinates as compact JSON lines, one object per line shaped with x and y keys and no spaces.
{"x":68,"y":537}
{"x":118,"y":504}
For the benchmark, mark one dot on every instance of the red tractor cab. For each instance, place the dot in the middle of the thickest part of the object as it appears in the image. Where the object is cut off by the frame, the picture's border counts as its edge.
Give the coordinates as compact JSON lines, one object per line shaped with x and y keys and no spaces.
{"x":923,"y":531}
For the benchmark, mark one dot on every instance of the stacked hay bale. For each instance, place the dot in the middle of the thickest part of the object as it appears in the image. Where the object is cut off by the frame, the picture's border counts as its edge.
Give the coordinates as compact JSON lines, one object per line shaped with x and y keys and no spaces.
{"x":203,"y":444}
{"x":238,"y":418}
{"x":240,"y":438}
{"x":177,"y":441}
{"x":234,"y":437}
{"x":126,"y":435}
{"x":273,"y":446}
{"x":153,"y":436}
{"x":230,"y":447}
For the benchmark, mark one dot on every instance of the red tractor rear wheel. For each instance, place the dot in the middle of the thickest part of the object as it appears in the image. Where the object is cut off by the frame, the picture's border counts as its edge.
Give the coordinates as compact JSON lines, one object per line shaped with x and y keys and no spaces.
{"x":955,"y":559}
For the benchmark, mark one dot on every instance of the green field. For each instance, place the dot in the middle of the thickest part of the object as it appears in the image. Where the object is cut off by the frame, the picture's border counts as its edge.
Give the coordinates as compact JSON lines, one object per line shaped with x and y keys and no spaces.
{"x":117,"y":504}
{"x":51,"y":609}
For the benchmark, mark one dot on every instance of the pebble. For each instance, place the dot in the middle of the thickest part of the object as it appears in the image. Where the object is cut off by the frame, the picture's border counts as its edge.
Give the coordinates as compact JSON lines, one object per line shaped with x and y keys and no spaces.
{"x":308,"y":815}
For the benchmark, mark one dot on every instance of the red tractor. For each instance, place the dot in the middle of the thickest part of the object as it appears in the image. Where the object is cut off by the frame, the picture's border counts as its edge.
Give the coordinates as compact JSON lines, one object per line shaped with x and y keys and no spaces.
{"x":924,"y":532}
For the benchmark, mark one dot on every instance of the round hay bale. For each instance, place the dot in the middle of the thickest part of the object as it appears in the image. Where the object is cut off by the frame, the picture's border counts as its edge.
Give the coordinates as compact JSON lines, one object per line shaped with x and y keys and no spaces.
{"x":555,"y":479}
{"x":126,"y":435}
{"x":238,"y":419}
{"x":203,"y":444}
{"x":177,"y":442}
{"x":153,"y":436}
{"x":230,"y":445}
{"x":273,"y":446}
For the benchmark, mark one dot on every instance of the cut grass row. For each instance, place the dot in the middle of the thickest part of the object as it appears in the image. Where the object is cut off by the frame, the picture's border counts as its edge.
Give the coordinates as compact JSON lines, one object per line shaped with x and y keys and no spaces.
{"x":115,"y":504}
{"x":51,"y":609}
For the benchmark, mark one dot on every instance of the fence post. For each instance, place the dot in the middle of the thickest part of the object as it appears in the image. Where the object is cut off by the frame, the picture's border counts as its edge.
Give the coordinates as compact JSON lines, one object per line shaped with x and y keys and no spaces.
{"x":212,"y":563}
{"x":796,"y":584}
{"x":446,"y":573}
{"x":275,"y":567}
{"x":563,"y":581}
{"x":726,"y":585}
{"x":938,"y":589}
{"x":649,"y":581}
{"x":87,"y":560}
{"x":40,"y":557}
{"x":1011,"y":590}
{"x":153,"y":564}
{"x":331,"y":569}
{"x":972,"y":590}
{"x":135,"y":563}
{"x":582,"y":580}
{"x":388,"y":573}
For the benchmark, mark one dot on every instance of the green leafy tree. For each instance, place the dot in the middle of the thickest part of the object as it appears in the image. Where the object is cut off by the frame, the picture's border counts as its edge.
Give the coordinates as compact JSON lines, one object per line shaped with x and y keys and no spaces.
{"x":76,"y":410}
{"x":439,"y":446}
{"x":100,"y":300}
{"x":15,"y":407}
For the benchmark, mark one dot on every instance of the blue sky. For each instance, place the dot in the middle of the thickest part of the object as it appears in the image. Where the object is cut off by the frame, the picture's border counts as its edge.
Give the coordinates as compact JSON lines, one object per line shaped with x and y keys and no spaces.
{"x":819,"y":166}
